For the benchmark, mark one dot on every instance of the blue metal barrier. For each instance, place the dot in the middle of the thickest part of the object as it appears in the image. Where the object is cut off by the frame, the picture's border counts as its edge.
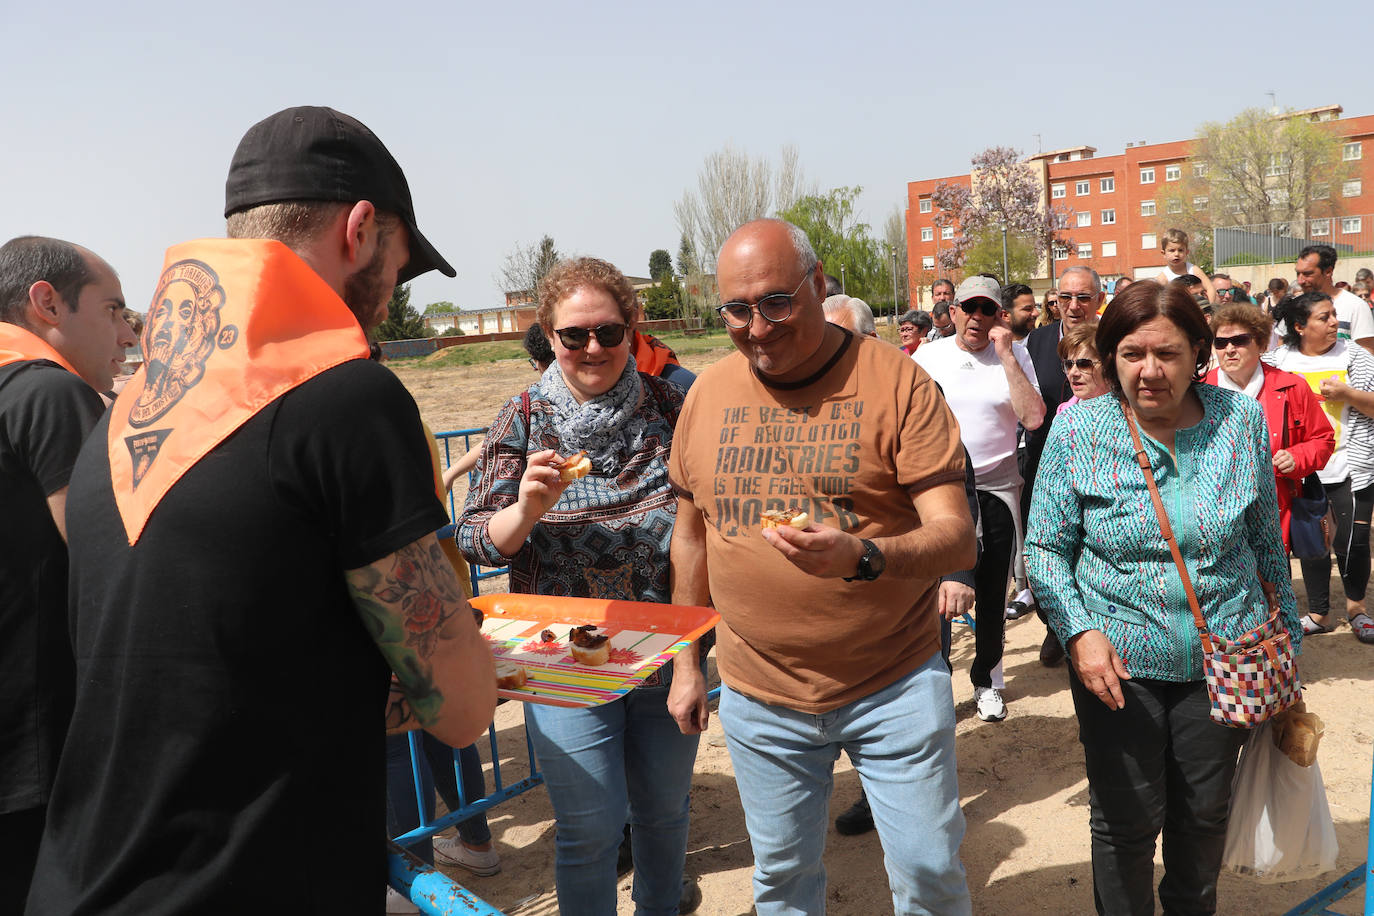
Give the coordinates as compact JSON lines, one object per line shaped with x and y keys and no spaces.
{"x":430,"y":890}
{"x":477,"y":573}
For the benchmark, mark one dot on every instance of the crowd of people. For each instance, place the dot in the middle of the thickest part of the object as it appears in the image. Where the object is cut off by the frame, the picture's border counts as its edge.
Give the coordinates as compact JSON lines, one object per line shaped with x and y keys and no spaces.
{"x":225,"y":603}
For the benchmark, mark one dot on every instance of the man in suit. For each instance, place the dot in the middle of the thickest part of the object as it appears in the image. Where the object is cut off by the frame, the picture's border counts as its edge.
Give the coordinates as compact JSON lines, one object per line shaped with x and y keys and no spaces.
{"x":1080,"y":297}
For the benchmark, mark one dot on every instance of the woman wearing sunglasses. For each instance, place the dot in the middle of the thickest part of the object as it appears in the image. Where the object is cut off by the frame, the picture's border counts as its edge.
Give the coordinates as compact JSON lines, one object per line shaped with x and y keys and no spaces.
{"x":1299,"y":434}
{"x":1342,"y":374}
{"x":604,"y":536}
{"x":1082,"y":368}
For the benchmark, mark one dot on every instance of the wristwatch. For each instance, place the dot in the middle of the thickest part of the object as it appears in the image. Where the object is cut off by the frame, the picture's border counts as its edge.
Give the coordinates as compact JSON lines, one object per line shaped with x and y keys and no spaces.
{"x":871,"y":564}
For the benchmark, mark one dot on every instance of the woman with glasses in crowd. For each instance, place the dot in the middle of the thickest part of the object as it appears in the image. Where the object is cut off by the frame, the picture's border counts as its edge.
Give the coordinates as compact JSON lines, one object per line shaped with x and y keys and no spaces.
{"x":1300,"y":436}
{"x":603,"y":536}
{"x":1342,"y":373}
{"x":1103,"y":572}
{"x":1082,"y":368}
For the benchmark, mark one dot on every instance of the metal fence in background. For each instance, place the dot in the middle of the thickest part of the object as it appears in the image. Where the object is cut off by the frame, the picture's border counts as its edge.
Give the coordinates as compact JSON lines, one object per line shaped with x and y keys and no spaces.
{"x":1274,"y":243}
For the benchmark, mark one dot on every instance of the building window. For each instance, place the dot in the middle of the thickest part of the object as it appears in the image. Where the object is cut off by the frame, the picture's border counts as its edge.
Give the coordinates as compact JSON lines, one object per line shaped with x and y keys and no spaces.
{"x":1057,"y":191}
{"x":1173,"y":172}
{"x":1085,"y":250}
{"x":1352,"y":151}
{"x":1321,"y":191}
{"x":1109,"y":249}
{"x":1199,"y":203}
{"x":1108,"y":217}
{"x":1350,"y":224}
{"x":1199,"y":170}
{"x":1352,"y":188}
{"x":927,"y":234}
{"x":925,"y":204}
{"x":1173,"y":205}
{"x":947,"y":233}
{"x":1321,"y":227}
{"x":1147,"y":208}
{"x":1148,"y":240}
{"x":1081,"y":188}
{"x":927,"y":263}
{"x":1147,"y":176}
{"x":1106,"y":184}
{"x":1278,"y":166}
{"x":1085,"y":219}
{"x":1061,"y":252}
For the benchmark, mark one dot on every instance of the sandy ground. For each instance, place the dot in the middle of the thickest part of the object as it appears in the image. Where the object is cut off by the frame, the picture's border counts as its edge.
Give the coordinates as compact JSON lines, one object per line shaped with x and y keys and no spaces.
{"x":1021,"y":781}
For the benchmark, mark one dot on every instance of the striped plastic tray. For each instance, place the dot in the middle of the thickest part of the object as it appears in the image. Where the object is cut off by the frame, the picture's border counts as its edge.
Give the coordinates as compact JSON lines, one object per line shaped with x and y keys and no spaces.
{"x":644,"y":637}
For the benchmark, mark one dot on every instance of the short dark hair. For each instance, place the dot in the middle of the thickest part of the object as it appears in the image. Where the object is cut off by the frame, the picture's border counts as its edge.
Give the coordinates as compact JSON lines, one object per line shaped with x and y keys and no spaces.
{"x":832,"y":286}
{"x":1188,"y":280}
{"x":916,"y":318}
{"x":28,"y":259}
{"x":1226,"y":277}
{"x":1146,"y":300}
{"x":537,"y":345}
{"x":1277,"y":284}
{"x":1013,"y":292}
{"x":941,"y":309}
{"x":1294,"y":313}
{"x":942,"y":282}
{"x":1326,"y":256}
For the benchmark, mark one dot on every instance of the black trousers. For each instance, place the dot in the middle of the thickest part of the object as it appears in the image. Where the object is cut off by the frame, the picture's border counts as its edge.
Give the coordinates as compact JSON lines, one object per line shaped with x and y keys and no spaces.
{"x":1351,"y":546}
{"x":1158,"y":764}
{"x":20,"y":832}
{"x":990,"y":587}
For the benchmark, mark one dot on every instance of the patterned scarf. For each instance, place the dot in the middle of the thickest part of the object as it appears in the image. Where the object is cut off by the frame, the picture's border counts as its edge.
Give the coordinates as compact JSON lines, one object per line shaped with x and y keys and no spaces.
{"x":609,"y":427}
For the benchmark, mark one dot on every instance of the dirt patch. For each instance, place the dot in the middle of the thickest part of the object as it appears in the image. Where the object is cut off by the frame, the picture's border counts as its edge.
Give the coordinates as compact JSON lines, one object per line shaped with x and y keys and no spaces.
{"x":1021,"y":781}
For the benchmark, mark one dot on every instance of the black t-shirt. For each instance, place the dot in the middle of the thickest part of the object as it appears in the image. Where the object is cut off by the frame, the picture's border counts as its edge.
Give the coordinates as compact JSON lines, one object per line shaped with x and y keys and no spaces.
{"x":226,"y":750}
{"x":46,"y":413}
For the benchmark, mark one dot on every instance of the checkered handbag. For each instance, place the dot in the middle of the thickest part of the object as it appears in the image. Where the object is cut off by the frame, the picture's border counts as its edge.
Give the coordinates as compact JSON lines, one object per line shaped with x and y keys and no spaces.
{"x":1249,"y":679}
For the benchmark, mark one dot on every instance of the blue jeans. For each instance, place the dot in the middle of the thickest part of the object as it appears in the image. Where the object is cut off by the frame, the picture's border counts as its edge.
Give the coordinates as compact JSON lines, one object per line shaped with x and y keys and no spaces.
{"x":598,"y":761}
{"x":436,"y":769}
{"x":901,"y":741}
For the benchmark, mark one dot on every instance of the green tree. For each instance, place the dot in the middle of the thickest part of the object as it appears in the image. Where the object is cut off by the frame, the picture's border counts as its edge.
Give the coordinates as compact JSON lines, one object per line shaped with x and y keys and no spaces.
{"x":402,"y":321}
{"x":440,"y":308}
{"x":686,"y":257}
{"x":842,"y":242}
{"x":662,"y":299}
{"x":660,"y":263}
{"x":984,"y":256}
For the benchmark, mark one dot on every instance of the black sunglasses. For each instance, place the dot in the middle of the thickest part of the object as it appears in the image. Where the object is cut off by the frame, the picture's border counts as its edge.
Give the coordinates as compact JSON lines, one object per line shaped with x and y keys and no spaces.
{"x":980,"y":305}
{"x":1083,"y":365}
{"x":774,"y":307}
{"x":1238,"y":340}
{"x":608,"y":335}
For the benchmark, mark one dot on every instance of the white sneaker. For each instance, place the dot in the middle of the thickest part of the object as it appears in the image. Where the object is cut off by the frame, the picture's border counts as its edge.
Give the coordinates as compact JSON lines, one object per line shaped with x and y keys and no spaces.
{"x":451,"y":851}
{"x":991,"y":708}
{"x":396,"y":902}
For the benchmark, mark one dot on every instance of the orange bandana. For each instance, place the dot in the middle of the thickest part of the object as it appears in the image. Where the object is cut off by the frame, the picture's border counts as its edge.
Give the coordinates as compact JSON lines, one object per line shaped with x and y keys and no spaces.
{"x":652,"y":355}
{"x":234,"y":325}
{"x":18,"y":344}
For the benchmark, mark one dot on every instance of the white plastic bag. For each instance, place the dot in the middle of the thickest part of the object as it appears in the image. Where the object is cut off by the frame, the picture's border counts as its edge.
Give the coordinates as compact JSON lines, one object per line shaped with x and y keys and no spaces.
{"x":1280,"y":827}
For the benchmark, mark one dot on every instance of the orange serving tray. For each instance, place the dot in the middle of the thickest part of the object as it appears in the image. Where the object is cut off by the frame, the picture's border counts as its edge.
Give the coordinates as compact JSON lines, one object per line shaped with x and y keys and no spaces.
{"x":644,"y":636}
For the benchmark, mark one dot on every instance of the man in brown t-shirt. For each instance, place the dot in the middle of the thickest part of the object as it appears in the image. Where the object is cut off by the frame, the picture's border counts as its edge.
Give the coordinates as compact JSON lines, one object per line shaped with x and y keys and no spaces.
{"x":828,"y":638}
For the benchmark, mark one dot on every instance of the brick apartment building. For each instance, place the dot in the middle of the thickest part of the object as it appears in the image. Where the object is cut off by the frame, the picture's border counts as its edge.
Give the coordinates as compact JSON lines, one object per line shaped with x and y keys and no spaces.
{"x":1122,"y":204}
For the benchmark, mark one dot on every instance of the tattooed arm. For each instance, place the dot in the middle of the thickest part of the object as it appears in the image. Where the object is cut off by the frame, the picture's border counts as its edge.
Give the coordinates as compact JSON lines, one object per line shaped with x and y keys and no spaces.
{"x":413,"y":606}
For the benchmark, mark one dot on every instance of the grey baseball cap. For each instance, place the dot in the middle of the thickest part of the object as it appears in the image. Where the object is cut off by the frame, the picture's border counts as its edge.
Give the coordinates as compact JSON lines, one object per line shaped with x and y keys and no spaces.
{"x":978,"y":288}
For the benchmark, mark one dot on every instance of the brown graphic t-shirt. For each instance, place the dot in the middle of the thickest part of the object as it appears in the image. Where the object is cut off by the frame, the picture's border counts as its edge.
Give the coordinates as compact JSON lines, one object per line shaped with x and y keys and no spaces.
{"x":850,"y":450}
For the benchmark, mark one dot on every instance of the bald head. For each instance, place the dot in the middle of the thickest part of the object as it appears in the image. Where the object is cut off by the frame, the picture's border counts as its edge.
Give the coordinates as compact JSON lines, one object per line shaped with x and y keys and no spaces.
{"x":778,"y":237}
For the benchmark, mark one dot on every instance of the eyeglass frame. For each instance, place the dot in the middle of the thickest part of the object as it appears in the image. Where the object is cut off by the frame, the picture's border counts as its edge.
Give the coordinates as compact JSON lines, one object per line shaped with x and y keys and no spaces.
{"x":979,"y":305}
{"x":1239,"y":341}
{"x":1068,"y":298}
{"x":758,"y":306}
{"x":1068,"y":365}
{"x":592,"y":332}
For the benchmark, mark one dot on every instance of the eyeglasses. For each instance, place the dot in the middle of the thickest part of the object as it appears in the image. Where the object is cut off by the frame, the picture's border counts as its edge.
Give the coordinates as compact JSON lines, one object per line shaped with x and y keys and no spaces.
{"x":608,"y":335}
{"x":980,"y":305}
{"x":1225,"y":293}
{"x":1067,"y":298}
{"x":1082,"y":365}
{"x":774,"y":308}
{"x":1237,"y":340}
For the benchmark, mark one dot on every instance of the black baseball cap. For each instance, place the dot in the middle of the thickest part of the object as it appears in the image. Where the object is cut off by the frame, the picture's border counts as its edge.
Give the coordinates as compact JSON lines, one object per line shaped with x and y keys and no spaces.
{"x":311,"y":153}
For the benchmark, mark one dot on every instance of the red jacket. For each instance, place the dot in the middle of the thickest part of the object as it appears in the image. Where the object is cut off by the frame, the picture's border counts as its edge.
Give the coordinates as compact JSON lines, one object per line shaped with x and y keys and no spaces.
{"x":1310,"y":437}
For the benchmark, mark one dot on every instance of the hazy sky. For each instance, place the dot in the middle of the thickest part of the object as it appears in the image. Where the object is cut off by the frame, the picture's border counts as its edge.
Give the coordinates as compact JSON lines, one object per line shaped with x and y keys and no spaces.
{"x":588,"y":120}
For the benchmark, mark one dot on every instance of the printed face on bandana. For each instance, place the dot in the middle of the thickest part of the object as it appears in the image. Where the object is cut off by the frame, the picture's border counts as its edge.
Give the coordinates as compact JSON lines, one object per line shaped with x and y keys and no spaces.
{"x":591,"y":370}
{"x":178,"y":339}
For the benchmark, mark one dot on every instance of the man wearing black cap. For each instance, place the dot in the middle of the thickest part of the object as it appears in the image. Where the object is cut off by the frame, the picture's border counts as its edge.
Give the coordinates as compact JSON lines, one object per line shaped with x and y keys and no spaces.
{"x":252,"y":549}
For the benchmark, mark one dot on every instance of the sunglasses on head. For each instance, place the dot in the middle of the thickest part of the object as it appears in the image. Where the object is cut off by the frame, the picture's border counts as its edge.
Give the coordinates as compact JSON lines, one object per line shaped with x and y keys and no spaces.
{"x":1083,"y":365}
{"x":1238,"y":340}
{"x":608,"y":335}
{"x":980,"y":305}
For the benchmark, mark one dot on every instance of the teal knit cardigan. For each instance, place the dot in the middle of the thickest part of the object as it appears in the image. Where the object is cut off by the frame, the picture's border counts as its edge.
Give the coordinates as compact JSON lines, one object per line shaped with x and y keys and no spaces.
{"x":1095,"y":555}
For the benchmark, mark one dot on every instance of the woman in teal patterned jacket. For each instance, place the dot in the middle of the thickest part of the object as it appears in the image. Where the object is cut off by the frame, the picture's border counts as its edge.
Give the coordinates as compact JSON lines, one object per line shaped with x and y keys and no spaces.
{"x":1104,"y":575}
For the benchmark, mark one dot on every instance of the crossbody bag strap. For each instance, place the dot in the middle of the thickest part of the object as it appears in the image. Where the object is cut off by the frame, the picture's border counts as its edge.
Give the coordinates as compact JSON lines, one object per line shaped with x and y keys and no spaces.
{"x":1167,"y":529}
